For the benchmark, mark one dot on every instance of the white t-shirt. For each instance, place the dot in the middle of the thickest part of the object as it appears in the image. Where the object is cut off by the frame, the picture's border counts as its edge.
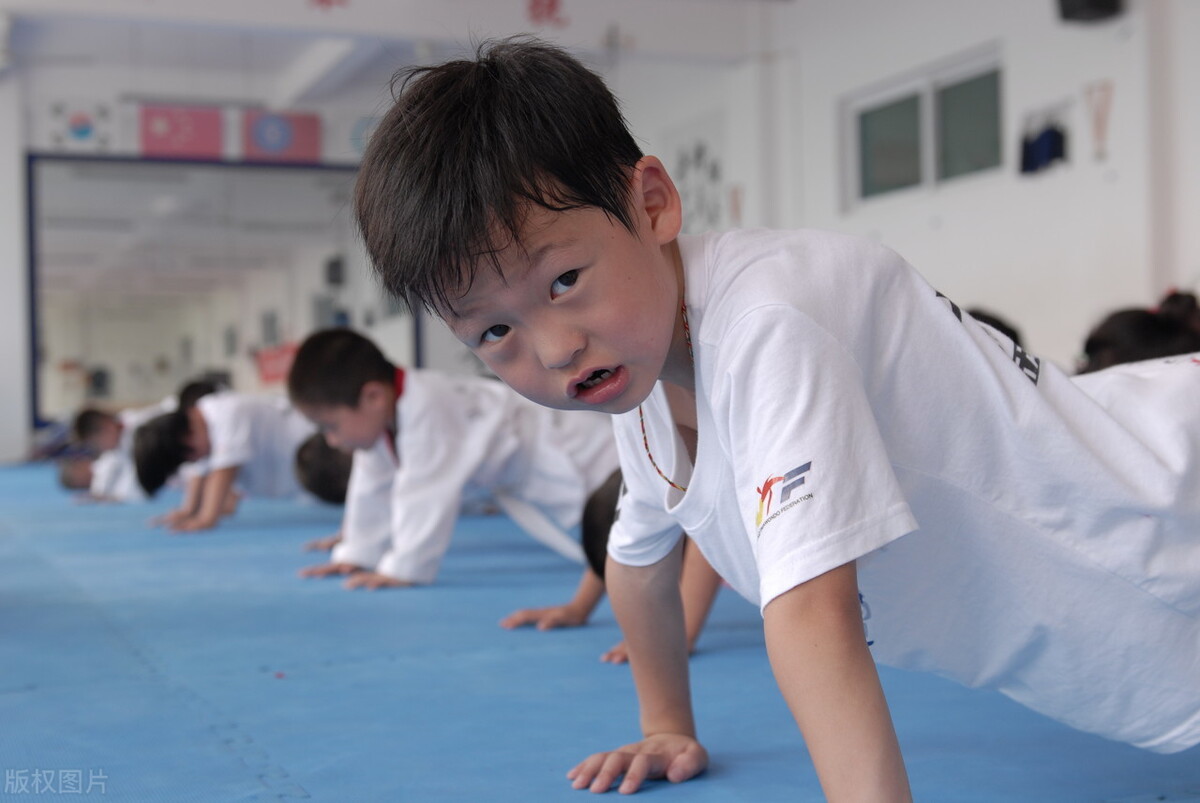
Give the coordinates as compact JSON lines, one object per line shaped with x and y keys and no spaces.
{"x":1010,"y":531}
{"x":458,"y":436}
{"x":259,"y":435}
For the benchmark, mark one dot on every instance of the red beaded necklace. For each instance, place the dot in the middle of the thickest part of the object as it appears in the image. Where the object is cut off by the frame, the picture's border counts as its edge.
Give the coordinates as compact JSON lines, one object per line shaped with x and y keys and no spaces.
{"x":687,"y":335}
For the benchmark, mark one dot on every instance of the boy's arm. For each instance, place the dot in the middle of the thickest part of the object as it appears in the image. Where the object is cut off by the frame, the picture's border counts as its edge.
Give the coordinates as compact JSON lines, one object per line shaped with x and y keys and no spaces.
{"x":819,"y":655}
{"x":572,"y":614}
{"x":215,"y":490}
{"x":648,"y":606}
{"x":192,"y":491}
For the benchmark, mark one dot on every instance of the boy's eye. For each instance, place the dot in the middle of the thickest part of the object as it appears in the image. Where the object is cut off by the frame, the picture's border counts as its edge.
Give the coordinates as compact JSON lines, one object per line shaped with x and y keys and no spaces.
{"x":494,"y":333}
{"x":564,"y":283}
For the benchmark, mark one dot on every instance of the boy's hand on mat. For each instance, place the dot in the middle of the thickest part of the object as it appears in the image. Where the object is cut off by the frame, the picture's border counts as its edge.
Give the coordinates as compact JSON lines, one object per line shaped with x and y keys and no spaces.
{"x":170,"y":519}
{"x":372,"y":581}
{"x":664,"y":755}
{"x":323,"y":544}
{"x":546,"y":618}
{"x":330,"y":570}
{"x":617,"y":654}
{"x":193,"y":524}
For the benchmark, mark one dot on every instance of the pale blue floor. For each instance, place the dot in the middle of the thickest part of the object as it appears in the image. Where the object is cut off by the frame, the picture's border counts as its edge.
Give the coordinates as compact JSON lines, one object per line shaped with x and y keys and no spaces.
{"x":157,"y":667}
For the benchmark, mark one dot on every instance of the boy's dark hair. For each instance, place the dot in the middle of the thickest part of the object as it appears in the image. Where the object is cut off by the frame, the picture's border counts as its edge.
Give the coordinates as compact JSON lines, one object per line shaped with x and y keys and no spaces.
{"x":193,"y":391}
{"x":159,"y":449}
{"x":322,"y":470}
{"x":1132,"y":335}
{"x":88,"y":423}
{"x":598,"y":516}
{"x":448,"y":174}
{"x":331,"y":367}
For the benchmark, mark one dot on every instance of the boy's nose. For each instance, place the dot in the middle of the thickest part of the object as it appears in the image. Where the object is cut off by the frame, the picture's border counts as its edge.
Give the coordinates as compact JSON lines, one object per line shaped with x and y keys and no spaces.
{"x":557,"y":348}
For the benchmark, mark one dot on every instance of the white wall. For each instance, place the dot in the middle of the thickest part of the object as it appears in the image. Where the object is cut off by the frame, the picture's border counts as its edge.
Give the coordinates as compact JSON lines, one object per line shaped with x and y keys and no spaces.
{"x":1052,"y":252}
{"x":14,"y":290}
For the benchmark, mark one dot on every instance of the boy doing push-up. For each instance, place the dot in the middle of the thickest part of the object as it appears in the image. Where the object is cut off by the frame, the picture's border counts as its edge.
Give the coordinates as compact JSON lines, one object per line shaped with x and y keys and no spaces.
{"x":831,"y":432}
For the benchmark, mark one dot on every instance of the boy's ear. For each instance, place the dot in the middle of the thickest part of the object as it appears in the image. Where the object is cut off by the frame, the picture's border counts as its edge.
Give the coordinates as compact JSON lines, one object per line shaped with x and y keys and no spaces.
{"x":655,"y":193}
{"x":374,"y":395}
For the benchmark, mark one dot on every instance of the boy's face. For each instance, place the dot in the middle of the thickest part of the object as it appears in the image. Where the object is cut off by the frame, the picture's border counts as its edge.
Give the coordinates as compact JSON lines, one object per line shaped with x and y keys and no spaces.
{"x":349,"y":428}
{"x":108,"y":436}
{"x":586,"y":314}
{"x":196,"y":441}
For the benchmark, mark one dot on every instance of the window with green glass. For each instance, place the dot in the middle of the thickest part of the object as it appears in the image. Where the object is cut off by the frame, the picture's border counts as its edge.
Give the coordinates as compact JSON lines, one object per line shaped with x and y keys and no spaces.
{"x":968,"y":126}
{"x":924,"y":127}
{"x":889,"y":141}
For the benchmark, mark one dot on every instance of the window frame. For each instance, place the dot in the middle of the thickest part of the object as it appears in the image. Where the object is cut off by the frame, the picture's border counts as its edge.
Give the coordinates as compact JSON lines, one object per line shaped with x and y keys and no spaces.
{"x":925,"y":83}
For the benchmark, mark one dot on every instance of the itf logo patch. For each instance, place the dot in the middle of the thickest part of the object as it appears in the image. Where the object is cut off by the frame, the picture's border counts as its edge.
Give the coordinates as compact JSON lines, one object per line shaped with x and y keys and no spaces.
{"x":766,"y":494}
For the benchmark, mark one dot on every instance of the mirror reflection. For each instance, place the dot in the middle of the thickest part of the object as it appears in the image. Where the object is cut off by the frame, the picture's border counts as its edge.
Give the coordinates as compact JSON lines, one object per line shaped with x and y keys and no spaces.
{"x":150,"y":273}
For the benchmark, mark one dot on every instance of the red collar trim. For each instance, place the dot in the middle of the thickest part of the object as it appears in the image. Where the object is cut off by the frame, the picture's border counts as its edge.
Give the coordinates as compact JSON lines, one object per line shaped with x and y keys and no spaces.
{"x":398,"y":382}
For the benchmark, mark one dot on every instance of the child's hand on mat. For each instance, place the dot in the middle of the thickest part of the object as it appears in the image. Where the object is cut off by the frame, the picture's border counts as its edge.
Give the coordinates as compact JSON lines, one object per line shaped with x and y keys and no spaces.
{"x":373,"y":581}
{"x":617,"y":654}
{"x":664,"y":755}
{"x":330,"y":570}
{"x":170,"y":519}
{"x":323,"y":544}
{"x":193,"y":524}
{"x":546,"y":618}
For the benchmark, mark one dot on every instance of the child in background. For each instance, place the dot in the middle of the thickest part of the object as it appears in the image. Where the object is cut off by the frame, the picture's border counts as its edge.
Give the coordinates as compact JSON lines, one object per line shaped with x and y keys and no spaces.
{"x":225,"y":438}
{"x":1131,"y":335}
{"x":109,"y":474}
{"x":837,"y":436}
{"x":423,"y":442}
{"x":698,"y":582}
{"x":322,"y":470}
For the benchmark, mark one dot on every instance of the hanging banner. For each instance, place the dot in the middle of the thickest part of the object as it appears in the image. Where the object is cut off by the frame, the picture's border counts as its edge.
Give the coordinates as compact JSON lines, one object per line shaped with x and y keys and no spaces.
{"x":281,"y":137}
{"x":275,"y":362}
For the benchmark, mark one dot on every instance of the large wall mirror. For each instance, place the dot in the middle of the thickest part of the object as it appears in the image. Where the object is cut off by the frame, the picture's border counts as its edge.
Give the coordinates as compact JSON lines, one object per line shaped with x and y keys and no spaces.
{"x":148,"y":273}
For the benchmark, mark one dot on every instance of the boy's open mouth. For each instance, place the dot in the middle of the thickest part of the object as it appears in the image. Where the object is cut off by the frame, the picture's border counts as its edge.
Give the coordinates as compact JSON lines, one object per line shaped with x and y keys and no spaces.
{"x":595,"y":379}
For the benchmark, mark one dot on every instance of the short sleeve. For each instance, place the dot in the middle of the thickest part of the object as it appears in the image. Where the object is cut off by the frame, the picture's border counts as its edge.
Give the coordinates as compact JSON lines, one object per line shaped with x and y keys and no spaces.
{"x":814,"y":480}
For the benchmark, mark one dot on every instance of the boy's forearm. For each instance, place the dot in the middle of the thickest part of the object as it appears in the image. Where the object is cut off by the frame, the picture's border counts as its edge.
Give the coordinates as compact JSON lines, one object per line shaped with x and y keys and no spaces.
{"x":191,"y":494}
{"x":648,"y":607}
{"x":217,"y":486}
{"x":820,"y":658}
{"x":588,"y":593}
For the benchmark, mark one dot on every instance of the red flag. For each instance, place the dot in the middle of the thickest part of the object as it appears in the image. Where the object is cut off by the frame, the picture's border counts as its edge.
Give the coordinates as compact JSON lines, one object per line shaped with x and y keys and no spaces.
{"x":293,"y":137}
{"x":191,"y":132}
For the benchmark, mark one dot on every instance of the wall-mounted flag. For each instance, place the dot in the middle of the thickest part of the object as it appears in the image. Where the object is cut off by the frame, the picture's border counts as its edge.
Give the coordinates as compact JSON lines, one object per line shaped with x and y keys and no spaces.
{"x":281,"y":137}
{"x":188,"y":132}
{"x":79,"y":126}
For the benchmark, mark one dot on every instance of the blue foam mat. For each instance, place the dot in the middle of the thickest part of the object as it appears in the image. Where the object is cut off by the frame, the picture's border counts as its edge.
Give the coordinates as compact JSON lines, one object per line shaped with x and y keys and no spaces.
{"x":144,"y":666}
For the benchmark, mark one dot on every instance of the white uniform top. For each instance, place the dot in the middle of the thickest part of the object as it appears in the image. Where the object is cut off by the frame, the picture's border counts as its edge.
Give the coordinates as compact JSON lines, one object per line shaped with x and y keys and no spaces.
{"x":457,"y":436}
{"x":1050,"y":549}
{"x":259,"y":435}
{"x":114,"y":473}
